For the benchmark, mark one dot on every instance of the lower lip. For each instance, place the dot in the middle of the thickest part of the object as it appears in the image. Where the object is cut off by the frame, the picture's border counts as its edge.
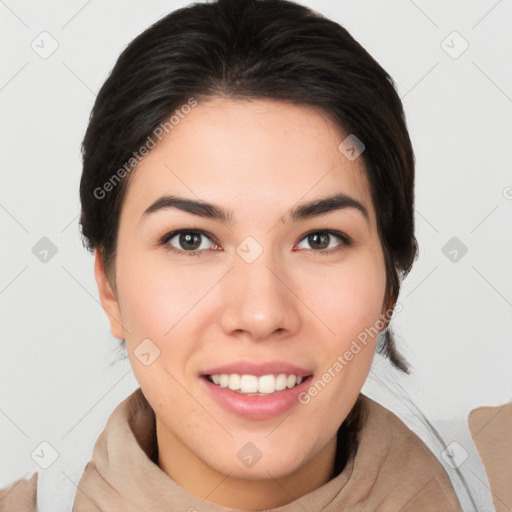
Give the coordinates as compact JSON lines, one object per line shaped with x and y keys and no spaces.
{"x":257,"y":407}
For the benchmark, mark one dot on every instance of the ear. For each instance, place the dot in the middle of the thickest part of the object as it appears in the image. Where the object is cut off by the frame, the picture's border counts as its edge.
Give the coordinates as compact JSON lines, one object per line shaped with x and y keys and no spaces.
{"x":388,"y":309}
{"x":108,"y":297}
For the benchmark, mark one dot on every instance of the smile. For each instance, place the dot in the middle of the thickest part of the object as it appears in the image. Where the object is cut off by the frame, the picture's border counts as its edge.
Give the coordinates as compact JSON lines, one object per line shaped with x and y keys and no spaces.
{"x":254,"y":385}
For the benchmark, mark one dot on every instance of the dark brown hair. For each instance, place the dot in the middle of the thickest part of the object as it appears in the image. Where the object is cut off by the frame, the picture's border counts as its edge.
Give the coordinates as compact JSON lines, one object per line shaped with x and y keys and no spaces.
{"x":272,"y":49}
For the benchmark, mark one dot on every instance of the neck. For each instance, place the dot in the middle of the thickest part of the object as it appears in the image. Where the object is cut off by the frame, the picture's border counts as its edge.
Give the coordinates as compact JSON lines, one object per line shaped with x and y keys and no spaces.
{"x":199,"y":479}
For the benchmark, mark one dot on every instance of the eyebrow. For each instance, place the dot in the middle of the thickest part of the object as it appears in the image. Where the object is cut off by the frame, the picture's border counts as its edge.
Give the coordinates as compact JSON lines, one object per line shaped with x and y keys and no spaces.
{"x":301,"y":212}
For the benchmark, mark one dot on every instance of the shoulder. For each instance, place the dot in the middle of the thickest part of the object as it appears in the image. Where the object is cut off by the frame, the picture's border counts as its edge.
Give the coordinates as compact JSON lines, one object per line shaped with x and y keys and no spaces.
{"x":406,"y":472}
{"x":20,"y":496}
{"x":491,"y":429}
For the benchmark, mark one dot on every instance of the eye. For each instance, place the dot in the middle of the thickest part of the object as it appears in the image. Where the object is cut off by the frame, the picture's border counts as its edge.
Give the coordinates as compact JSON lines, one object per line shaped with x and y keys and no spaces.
{"x":193,"y":242}
{"x":189,"y":242}
{"x":322,"y":241}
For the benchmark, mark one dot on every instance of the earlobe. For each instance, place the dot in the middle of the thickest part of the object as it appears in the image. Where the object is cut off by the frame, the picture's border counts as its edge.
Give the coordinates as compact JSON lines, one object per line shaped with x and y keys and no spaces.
{"x":108,"y":297}
{"x":387,"y":313}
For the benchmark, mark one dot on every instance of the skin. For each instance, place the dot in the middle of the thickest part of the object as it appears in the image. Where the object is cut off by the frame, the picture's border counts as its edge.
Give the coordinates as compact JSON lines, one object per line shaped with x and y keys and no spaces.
{"x":259,"y":159}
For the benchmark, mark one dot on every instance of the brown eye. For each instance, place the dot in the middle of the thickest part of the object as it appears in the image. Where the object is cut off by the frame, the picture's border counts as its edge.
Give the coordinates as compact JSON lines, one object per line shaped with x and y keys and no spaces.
{"x":319,"y":240}
{"x":326,"y":242}
{"x":188,"y":242}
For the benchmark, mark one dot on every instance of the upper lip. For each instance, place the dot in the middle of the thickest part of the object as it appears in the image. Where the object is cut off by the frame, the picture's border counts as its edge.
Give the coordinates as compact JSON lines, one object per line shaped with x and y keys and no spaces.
{"x":258,"y":368}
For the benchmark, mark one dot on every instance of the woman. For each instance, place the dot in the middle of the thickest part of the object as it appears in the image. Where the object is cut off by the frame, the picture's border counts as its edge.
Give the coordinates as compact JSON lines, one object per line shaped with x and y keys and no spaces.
{"x":247,"y":191}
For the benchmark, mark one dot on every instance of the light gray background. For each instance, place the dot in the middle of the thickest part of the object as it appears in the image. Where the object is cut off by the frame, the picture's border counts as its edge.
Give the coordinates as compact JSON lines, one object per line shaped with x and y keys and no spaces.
{"x":455,"y":327}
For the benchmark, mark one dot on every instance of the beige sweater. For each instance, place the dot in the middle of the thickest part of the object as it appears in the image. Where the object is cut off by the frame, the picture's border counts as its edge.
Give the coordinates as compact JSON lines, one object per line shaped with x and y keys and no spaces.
{"x":392,"y":470}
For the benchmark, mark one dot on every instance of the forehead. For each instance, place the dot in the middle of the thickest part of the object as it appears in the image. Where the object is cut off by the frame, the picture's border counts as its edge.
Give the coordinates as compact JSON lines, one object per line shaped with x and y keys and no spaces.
{"x":248,"y":154}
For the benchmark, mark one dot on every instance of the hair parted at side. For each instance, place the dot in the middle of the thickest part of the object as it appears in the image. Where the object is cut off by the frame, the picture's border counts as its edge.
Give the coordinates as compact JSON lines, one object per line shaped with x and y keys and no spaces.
{"x":251,"y":49}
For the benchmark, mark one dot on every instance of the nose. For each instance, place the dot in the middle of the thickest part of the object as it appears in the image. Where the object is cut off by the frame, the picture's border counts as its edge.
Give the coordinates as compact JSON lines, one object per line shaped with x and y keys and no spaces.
{"x":258,"y":300}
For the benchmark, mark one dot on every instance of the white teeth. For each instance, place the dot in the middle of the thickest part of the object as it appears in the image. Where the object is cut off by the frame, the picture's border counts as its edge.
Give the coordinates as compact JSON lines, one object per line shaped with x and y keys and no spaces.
{"x":291,"y":380}
{"x":247,"y":384}
{"x":267,"y":384}
{"x":234,"y":382}
{"x":281,"y":382}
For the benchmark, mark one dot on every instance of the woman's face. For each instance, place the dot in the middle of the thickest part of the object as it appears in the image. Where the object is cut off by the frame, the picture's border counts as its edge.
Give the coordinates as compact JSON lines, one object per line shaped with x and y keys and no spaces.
{"x":268,"y":288}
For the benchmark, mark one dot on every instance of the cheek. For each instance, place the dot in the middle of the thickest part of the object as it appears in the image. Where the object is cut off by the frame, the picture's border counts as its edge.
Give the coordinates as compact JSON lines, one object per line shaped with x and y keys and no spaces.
{"x":162,"y":303}
{"x":350,"y":298}
{"x":155,"y":305}
{"x":146,"y":305}
{"x":154,"y":297}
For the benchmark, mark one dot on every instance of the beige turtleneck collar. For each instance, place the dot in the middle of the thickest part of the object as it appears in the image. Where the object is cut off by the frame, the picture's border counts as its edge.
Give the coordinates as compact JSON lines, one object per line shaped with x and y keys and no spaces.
{"x":392,"y":470}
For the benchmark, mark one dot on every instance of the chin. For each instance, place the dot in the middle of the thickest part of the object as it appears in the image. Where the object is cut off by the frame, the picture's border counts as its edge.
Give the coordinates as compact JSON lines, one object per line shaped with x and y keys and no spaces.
{"x":260,"y":460}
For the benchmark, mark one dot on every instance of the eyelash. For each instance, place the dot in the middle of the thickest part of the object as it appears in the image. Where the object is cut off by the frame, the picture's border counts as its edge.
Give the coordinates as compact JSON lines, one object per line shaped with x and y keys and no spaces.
{"x":164,"y":241}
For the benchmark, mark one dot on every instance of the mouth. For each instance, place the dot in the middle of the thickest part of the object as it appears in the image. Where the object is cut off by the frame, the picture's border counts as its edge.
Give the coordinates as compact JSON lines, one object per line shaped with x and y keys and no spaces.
{"x":256,"y":389}
{"x":256,"y":397}
{"x":253,"y":385}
